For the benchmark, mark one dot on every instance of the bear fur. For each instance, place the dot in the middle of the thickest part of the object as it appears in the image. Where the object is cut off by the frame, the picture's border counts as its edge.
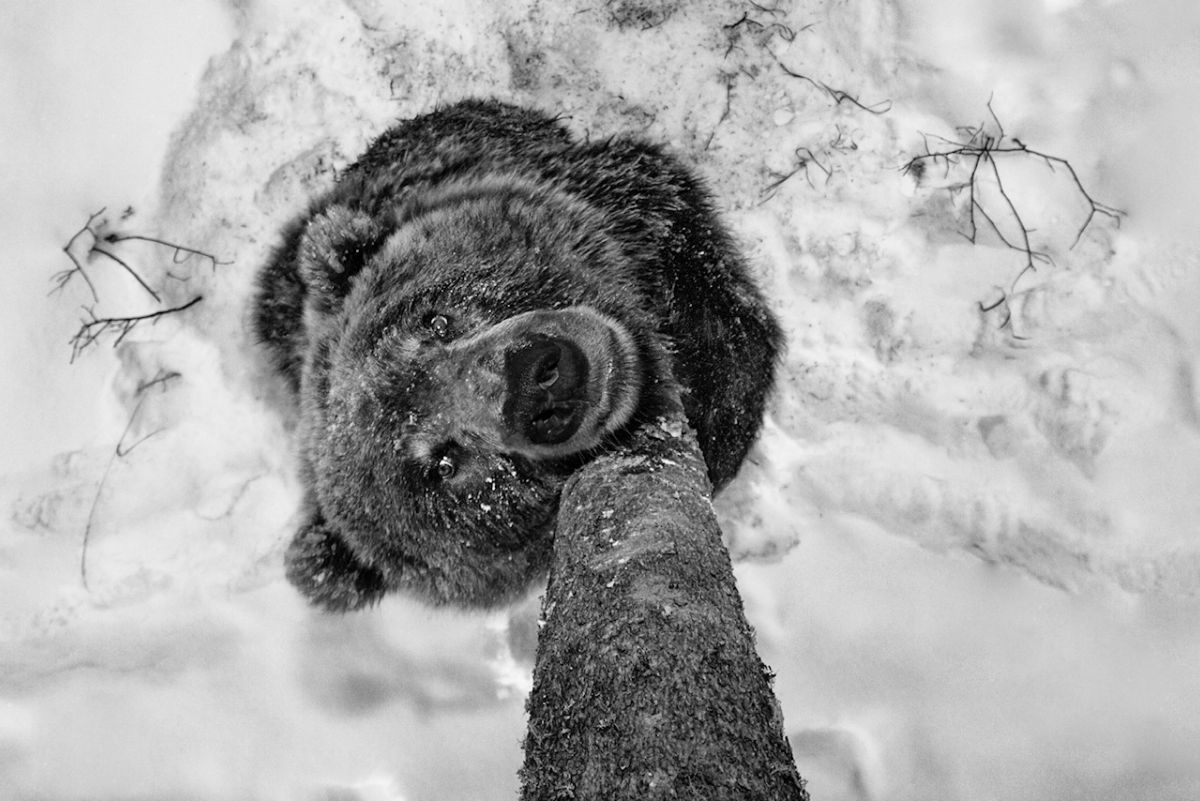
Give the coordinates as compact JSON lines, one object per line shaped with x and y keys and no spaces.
{"x":479,"y":305}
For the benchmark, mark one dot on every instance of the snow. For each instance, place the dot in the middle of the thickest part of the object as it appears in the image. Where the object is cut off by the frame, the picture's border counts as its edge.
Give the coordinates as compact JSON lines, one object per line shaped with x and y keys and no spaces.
{"x":969,"y":551}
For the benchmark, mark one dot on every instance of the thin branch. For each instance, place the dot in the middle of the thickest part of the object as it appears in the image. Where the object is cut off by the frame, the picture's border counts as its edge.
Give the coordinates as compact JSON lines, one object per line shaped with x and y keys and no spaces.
{"x":840,"y":143}
{"x":729,"y":81}
{"x":118,"y":453}
{"x":182,"y":253}
{"x":979,"y":148}
{"x":784,"y":32}
{"x":95,"y":232}
{"x":804,"y":158}
{"x":839,"y":96}
{"x":762,"y":30}
{"x":90,"y":331}
{"x":128,"y":269}
{"x":123,"y":452}
{"x":60,"y":279}
{"x":162,"y":377}
{"x":99,"y":236}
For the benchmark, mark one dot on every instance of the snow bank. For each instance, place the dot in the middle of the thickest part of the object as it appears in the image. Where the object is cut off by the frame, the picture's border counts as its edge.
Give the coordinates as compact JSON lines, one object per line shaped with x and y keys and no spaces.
{"x":967,"y":536}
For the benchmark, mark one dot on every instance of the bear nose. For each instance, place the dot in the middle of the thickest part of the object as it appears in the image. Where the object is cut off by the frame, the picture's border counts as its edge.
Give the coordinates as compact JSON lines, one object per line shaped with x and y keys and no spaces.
{"x":547,"y":389}
{"x":554,"y":365}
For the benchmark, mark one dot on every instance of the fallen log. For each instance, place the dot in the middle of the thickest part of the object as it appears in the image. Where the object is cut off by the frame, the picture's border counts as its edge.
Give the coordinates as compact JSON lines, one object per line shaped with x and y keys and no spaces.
{"x":647,"y":684}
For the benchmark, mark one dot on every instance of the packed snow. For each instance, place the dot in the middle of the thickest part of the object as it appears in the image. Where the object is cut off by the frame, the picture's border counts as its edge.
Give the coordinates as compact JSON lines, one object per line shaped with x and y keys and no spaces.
{"x":966,"y":539}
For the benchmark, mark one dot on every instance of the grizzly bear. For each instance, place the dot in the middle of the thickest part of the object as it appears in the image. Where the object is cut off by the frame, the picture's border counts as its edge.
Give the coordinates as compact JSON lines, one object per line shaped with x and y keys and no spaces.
{"x":478,"y":306}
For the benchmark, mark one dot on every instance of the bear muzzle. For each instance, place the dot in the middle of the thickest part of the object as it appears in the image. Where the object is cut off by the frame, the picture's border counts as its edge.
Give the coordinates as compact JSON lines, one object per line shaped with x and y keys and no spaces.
{"x":543,"y":384}
{"x":547,"y":398}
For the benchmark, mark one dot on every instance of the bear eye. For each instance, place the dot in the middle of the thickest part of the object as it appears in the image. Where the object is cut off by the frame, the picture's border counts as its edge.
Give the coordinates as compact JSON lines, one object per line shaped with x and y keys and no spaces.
{"x":446,"y":467}
{"x":439,"y":325}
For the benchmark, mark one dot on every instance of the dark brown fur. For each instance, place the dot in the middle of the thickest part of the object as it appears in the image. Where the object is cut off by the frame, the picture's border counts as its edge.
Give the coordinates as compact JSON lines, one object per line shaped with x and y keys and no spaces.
{"x":410,"y":310}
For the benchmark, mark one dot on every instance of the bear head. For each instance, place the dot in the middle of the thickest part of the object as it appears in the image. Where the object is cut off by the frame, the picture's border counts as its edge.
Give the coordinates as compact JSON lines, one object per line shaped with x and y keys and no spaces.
{"x":465,"y":352}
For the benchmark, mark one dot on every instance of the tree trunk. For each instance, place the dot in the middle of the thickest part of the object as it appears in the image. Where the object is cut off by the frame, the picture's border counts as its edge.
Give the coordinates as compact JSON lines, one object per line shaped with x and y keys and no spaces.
{"x":647,"y":684}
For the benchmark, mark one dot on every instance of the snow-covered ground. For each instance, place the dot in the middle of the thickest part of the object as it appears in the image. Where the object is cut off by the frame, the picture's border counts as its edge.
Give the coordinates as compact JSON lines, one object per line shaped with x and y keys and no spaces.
{"x":969,"y":550}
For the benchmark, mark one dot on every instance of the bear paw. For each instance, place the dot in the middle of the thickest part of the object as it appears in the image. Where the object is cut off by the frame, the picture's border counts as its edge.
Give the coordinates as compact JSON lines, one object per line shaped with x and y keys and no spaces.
{"x":322,"y":566}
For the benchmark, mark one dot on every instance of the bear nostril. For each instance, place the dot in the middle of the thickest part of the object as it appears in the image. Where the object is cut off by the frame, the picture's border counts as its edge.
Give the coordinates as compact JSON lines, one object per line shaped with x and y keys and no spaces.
{"x":553,"y":424}
{"x":546,"y":399}
{"x":547,"y":375}
{"x":552,"y":365}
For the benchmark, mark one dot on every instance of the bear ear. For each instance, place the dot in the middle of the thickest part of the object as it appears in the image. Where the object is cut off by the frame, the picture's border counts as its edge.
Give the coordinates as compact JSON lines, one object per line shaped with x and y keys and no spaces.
{"x":321,"y":565}
{"x":336,"y":245}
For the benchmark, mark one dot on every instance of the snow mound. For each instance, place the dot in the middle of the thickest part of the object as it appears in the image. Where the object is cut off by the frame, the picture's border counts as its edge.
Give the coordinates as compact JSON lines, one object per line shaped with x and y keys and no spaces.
{"x":966,"y":535}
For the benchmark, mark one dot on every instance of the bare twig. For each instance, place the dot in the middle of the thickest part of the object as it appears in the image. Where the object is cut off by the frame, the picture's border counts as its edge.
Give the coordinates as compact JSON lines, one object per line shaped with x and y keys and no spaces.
{"x":102,"y":244}
{"x":804,"y":158}
{"x":729,"y":80}
{"x":980,"y":149}
{"x":767,"y":29}
{"x":762,"y":31}
{"x":60,"y":279}
{"x":98,"y":234}
{"x":839,"y":96}
{"x":118,"y":453}
{"x":841,"y":142}
{"x":181,"y":254}
{"x":128,"y":269}
{"x":90,"y":331}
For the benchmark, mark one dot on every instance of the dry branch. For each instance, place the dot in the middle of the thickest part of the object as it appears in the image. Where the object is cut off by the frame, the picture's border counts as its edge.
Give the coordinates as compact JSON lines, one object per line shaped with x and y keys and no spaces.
{"x":119,"y":452}
{"x":804,"y":158}
{"x":91,"y":330}
{"x":729,"y":80}
{"x":763,"y":30}
{"x":979,"y":149}
{"x":839,"y":96}
{"x":647,"y":684}
{"x":62,"y":278}
{"x":182,"y":253}
{"x":95,"y":229}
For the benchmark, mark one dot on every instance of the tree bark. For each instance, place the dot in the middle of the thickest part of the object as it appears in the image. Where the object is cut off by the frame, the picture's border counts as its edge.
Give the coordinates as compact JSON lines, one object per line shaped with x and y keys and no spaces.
{"x":646,"y":683}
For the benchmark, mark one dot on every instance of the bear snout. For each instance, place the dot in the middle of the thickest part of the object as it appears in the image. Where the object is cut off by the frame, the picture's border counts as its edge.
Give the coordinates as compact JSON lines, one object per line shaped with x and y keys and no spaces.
{"x":547,"y":390}
{"x":556,"y":381}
